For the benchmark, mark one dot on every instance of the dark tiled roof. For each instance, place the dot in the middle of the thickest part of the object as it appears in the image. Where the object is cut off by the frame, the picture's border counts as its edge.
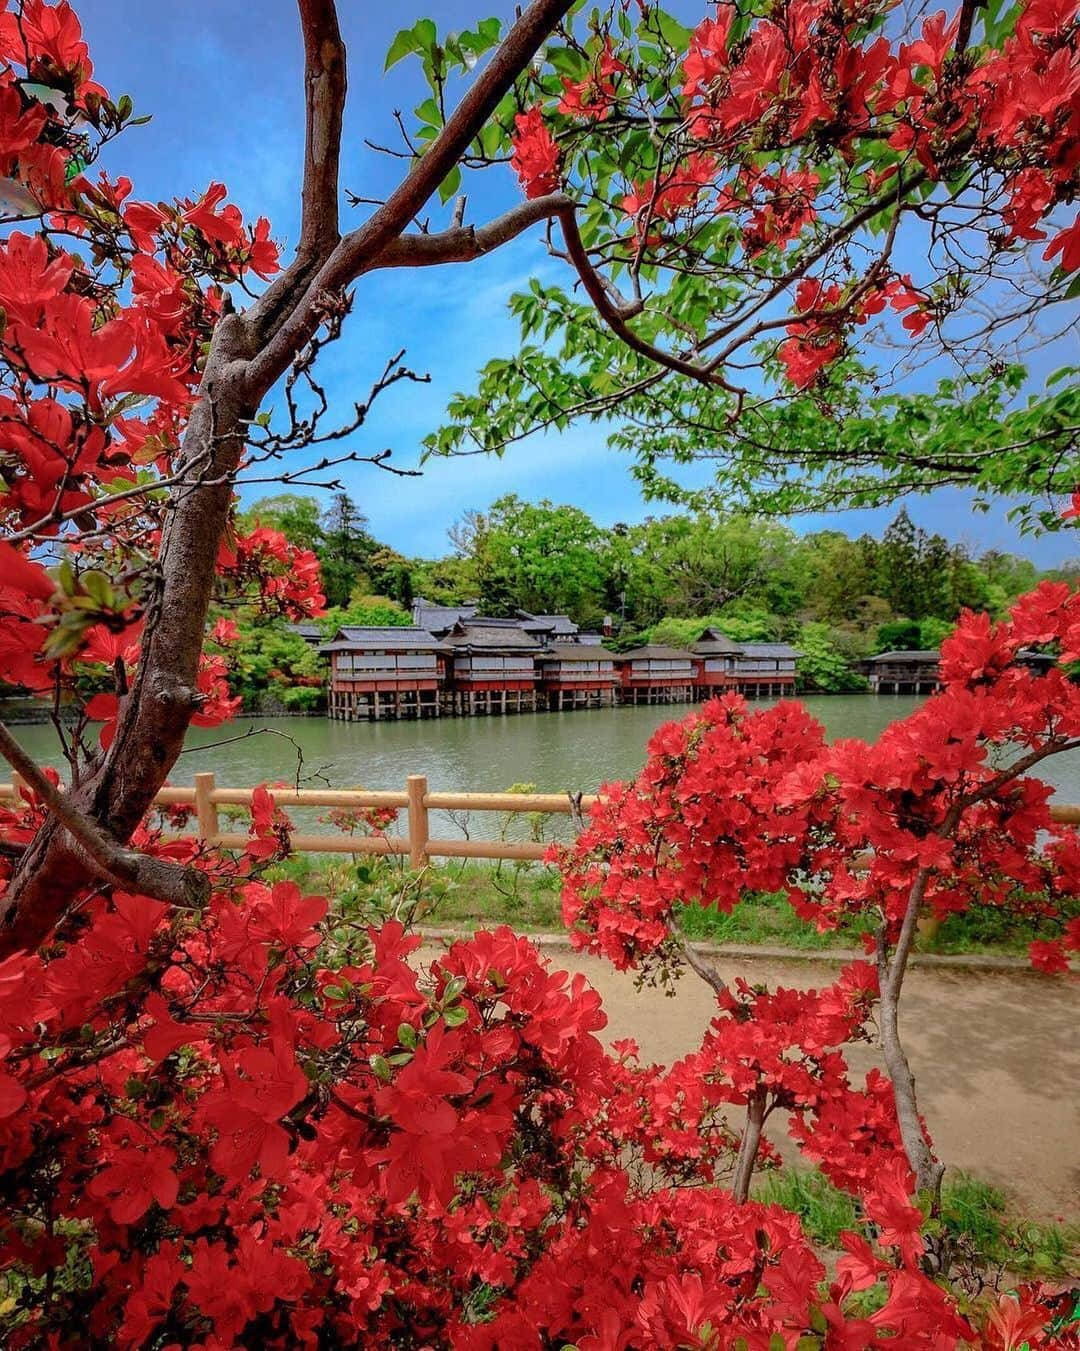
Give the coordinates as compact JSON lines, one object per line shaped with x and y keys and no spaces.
{"x":561,"y":626}
{"x":713,"y":641}
{"x":916,"y":658}
{"x":427,"y":615}
{"x":391,"y":638}
{"x":311,"y":633}
{"x":492,"y":635}
{"x":656,"y":650}
{"x":769,"y":650}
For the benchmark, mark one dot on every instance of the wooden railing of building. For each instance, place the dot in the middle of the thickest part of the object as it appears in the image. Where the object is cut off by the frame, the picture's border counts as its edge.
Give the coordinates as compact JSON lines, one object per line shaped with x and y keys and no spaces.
{"x":417,"y":801}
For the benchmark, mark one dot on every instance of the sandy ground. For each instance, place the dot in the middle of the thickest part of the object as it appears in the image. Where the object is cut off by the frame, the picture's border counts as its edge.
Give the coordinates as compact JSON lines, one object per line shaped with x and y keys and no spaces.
{"x":996,"y":1058}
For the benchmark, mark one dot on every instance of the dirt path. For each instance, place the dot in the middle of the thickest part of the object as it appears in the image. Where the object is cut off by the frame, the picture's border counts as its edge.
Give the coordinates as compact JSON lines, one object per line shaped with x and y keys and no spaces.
{"x":996,"y":1058}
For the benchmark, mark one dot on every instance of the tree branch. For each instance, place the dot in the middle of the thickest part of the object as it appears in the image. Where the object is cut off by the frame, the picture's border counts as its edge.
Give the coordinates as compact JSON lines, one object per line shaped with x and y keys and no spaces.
{"x":325,"y":82}
{"x":928,"y":1171}
{"x":155,"y":877}
{"x":358,"y":252}
{"x":464,"y":243}
{"x":695,"y":962}
{"x":749,"y":1145}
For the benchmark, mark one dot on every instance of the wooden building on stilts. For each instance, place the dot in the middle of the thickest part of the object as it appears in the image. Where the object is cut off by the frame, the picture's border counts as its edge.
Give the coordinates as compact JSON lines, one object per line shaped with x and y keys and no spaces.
{"x":655,"y":675}
{"x":391,"y":672}
{"x":576,"y":675}
{"x":765,"y":670}
{"x":714,"y":657}
{"x":492,"y":668}
{"x":903,"y":672}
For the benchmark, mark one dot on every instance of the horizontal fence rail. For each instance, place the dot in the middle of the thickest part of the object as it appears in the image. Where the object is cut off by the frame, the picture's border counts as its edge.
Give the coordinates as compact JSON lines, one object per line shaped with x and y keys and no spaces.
{"x":417,"y":801}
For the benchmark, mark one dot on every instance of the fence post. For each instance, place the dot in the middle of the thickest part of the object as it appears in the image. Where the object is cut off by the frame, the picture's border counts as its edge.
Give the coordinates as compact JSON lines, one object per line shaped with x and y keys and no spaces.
{"x":416,"y":787}
{"x":206,"y":816}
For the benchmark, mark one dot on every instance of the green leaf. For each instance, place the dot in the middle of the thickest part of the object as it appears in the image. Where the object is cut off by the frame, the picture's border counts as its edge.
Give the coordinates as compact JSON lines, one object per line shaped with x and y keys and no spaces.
{"x":450,"y":184}
{"x":675,"y":34}
{"x":430,"y":113}
{"x":403,"y":45}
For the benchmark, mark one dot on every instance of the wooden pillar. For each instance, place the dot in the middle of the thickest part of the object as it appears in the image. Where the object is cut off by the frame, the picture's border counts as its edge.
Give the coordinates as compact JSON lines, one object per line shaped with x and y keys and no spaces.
{"x":206,"y":814}
{"x":416,"y":787}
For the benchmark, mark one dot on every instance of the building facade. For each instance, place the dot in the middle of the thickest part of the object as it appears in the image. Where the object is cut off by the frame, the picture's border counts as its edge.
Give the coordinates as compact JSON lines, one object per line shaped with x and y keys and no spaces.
{"x":903,"y":672}
{"x":492,"y":668}
{"x":390,"y":672}
{"x":714,"y":656}
{"x":764,"y":670}
{"x":655,"y":675}
{"x":576,"y":675}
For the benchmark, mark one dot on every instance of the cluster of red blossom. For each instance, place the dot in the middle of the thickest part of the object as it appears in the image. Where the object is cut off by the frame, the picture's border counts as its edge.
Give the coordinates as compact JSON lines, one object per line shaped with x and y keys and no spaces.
{"x":223,"y":1133}
{"x":101,"y":364}
{"x":732,"y":802}
{"x":819,"y":73}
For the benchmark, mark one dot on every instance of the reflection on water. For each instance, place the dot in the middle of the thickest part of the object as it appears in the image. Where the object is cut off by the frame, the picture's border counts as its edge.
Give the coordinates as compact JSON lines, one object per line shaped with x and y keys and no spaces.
{"x":553,"y":751}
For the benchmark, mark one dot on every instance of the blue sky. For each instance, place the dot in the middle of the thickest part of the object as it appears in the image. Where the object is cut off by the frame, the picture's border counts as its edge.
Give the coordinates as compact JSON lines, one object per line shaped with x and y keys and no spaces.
{"x":222,"y":80}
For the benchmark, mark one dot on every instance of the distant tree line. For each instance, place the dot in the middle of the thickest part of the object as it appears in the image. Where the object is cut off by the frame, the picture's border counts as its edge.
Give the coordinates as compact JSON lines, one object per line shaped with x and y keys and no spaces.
{"x":837,"y":598}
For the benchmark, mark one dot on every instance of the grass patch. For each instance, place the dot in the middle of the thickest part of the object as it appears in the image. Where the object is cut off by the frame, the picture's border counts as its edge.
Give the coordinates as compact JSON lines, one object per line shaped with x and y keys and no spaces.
{"x":985,"y":1227}
{"x":464,"y":895}
{"x":477,"y":894}
{"x":825,"y":1211}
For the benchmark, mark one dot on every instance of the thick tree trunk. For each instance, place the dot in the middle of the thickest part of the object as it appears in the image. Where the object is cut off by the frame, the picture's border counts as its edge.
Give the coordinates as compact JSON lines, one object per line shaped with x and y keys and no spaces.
{"x":156,"y":714}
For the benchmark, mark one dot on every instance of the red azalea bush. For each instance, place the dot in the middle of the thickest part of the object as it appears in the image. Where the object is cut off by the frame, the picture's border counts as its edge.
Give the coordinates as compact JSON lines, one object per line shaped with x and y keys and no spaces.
{"x":224,"y":1120}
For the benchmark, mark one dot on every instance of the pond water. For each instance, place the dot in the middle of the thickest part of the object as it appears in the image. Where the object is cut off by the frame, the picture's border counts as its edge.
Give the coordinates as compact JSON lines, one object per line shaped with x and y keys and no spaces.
{"x":551,"y":751}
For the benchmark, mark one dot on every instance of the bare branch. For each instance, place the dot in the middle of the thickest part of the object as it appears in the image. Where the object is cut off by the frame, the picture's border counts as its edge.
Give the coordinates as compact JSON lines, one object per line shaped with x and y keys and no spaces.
{"x":324,"y":95}
{"x":148,"y":876}
{"x":695,"y":961}
{"x":463,"y":244}
{"x":358,"y":252}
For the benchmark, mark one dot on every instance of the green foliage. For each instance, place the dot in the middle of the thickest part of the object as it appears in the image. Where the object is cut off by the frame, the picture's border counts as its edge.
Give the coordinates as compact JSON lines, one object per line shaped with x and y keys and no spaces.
{"x":899,"y":635}
{"x":825,"y":661}
{"x":301,"y":698}
{"x":535,"y":556}
{"x":981,"y":1220}
{"x":372,"y":611}
{"x":977,"y":1215}
{"x":268,"y":659}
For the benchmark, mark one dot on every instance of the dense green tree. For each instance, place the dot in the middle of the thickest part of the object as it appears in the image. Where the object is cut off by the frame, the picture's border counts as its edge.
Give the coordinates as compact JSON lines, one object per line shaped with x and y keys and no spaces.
{"x":270,"y":666}
{"x":536,"y":556}
{"x":825,"y":661}
{"x":298,"y":518}
{"x":702,"y":564}
{"x":838,"y":573}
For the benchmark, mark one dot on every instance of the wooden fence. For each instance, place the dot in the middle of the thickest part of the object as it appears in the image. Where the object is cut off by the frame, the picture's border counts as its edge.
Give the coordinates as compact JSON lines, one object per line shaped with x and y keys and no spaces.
{"x":417,"y":801}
